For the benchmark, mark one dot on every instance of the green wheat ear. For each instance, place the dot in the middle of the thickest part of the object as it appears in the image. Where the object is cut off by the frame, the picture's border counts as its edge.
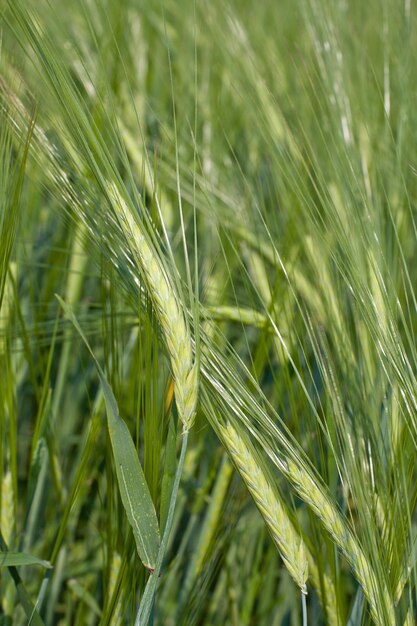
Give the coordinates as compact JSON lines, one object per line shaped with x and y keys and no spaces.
{"x":288,"y":541}
{"x":378,"y":595}
{"x":166,"y":304}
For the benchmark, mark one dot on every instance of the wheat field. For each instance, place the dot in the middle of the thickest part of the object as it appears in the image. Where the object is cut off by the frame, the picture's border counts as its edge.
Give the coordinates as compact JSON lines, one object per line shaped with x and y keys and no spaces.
{"x":208,"y":299}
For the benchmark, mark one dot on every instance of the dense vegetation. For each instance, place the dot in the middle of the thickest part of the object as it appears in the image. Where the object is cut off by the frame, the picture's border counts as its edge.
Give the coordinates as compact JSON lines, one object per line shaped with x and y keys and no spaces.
{"x":208,"y":395}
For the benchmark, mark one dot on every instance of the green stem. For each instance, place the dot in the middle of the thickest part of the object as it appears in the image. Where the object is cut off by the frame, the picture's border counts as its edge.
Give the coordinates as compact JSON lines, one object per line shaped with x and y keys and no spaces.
{"x":304,"y":605}
{"x":142,"y":617}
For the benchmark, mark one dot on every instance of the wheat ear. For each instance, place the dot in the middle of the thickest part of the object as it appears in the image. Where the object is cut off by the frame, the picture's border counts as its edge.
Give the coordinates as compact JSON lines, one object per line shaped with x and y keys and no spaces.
{"x":291,"y":546}
{"x":288,"y":541}
{"x":380,"y":601}
{"x":293,"y":550}
{"x":168,"y":311}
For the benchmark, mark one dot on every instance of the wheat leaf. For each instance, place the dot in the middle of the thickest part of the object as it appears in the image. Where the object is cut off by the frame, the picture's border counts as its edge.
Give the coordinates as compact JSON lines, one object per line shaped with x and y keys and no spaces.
{"x":16,"y":559}
{"x":134,"y":491}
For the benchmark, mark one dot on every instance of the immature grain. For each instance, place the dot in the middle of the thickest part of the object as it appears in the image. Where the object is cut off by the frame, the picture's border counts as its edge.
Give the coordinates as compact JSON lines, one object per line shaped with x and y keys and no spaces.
{"x":166,"y":306}
{"x":287,"y":539}
{"x":295,"y":554}
{"x":379,"y":599}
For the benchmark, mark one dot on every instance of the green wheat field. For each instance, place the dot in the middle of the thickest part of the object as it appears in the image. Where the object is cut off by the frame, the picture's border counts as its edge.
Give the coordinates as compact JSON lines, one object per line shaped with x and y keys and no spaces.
{"x":208,"y":308}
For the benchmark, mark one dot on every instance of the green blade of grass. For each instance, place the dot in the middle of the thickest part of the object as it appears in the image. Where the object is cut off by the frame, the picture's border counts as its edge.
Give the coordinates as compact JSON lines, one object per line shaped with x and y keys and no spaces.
{"x":16,"y":559}
{"x":145,"y":608}
{"x":133,"y":488}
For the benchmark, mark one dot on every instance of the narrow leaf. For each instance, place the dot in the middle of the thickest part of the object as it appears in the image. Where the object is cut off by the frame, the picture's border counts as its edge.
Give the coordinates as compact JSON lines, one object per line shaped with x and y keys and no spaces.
{"x":16,"y":559}
{"x":133,"y":488}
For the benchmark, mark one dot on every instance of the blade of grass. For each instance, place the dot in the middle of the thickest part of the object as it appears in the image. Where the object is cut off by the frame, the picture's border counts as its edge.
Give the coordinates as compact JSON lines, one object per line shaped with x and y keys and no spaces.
{"x":145,"y":608}
{"x":133,"y":488}
{"x":21,"y":558}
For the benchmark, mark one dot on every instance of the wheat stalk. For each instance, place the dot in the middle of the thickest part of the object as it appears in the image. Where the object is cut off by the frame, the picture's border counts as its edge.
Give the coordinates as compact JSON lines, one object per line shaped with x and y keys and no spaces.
{"x":288,"y":541}
{"x":166,"y":305}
